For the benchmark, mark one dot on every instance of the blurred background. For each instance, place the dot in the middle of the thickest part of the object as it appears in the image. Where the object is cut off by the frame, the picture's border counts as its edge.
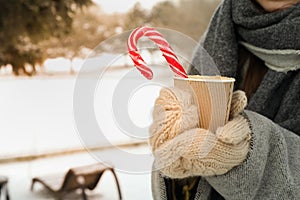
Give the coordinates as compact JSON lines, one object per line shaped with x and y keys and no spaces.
{"x":43,"y":47}
{"x":33,"y":33}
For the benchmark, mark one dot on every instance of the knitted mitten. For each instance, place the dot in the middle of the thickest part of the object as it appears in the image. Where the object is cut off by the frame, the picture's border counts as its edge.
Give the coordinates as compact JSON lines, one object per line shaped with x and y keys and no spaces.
{"x":238,"y":103}
{"x":185,"y":150}
{"x":174,"y":112}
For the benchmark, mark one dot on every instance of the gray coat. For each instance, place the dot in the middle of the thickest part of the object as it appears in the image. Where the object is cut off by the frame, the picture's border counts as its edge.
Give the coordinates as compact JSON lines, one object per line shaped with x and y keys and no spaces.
{"x":272,"y":168}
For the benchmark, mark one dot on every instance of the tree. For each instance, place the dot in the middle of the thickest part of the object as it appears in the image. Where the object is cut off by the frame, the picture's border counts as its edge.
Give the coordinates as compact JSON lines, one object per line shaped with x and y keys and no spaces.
{"x":88,"y":30}
{"x":195,"y":21}
{"x":83,"y":34}
{"x":165,"y":14}
{"x":25,"y":23}
{"x":190,"y":17}
{"x":137,"y":16}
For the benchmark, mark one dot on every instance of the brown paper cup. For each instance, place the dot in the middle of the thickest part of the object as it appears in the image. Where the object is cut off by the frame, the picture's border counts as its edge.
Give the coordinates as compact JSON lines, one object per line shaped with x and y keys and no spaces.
{"x":213,"y":96}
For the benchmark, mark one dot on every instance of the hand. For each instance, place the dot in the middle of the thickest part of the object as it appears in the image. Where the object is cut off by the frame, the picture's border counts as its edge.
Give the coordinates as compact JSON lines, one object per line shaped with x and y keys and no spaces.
{"x":174,"y":112}
{"x":192,"y":151}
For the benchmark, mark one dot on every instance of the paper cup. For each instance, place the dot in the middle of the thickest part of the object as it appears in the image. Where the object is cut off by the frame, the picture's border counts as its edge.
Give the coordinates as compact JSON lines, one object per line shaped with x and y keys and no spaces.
{"x":213,"y":96}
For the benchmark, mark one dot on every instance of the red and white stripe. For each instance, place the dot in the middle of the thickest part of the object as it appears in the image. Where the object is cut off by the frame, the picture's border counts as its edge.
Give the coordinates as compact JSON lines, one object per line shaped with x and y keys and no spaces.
{"x":162,"y":44}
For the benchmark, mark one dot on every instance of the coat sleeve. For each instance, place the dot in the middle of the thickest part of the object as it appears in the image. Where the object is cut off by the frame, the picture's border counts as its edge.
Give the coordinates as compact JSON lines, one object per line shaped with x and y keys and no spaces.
{"x":272,"y":168}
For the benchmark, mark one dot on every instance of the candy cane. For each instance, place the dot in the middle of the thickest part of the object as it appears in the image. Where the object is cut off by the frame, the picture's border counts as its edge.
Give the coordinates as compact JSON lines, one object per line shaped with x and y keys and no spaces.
{"x":163,"y":45}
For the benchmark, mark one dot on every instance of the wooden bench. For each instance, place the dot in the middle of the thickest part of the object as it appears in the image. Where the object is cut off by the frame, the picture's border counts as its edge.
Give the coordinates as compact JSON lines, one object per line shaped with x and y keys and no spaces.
{"x":83,"y":177}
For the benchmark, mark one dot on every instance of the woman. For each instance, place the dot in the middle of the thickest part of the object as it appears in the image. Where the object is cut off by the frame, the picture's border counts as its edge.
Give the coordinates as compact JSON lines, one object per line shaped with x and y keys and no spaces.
{"x":256,"y":155}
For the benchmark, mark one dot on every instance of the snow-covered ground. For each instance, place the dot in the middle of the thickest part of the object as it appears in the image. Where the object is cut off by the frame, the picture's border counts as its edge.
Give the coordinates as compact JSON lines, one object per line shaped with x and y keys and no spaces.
{"x":133,"y":186}
{"x":37,"y":113}
{"x":37,"y":116}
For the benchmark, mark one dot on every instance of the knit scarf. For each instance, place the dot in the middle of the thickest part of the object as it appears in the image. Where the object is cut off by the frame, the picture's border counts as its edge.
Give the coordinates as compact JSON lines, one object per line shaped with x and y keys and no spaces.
{"x":243,"y":21}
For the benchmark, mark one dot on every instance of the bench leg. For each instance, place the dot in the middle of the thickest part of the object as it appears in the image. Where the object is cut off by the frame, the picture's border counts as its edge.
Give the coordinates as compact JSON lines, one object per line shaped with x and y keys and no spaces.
{"x":6,"y":191}
{"x":84,"y":197}
{"x":117,"y":182}
{"x":32,"y":183}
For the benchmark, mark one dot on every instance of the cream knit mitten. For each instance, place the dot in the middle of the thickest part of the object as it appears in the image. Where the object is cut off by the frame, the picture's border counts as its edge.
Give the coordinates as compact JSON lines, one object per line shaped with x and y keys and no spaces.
{"x":174,"y":112}
{"x":181,"y":149}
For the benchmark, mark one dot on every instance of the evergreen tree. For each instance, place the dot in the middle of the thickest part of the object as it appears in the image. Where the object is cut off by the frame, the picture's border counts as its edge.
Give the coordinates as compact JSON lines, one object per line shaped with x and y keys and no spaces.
{"x":25,"y":23}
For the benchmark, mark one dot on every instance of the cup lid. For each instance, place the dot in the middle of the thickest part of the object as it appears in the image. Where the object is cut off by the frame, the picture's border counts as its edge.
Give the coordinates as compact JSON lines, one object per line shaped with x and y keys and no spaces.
{"x":206,"y":78}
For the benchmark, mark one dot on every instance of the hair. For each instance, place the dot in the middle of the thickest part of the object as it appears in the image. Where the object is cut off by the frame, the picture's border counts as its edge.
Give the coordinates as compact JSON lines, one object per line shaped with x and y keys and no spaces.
{"x":250,"y":81}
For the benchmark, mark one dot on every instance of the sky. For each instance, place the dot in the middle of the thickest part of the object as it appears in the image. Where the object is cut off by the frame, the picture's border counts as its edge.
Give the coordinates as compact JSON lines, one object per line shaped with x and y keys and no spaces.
{"x":111,"y":6}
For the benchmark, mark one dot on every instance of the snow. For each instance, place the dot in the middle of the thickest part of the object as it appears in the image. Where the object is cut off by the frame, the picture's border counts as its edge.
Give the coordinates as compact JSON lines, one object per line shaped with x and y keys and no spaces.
{"x":38,"y":117}
{"x":37,"y":114}
{"x":133,"y":186}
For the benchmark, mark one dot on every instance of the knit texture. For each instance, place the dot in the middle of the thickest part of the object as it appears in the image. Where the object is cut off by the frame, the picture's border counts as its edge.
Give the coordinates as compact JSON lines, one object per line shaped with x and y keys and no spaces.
{"x":241,"y":21}
{"x":174,"y":112}
{"x":283,"y":60}
{"x":238,"y":103}
{"x":271,"y":169}
{"x":181,"y":150}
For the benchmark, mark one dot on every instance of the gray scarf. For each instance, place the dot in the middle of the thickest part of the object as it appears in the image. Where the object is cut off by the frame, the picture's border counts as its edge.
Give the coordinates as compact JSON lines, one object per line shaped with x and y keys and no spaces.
{"x":235,"y":21}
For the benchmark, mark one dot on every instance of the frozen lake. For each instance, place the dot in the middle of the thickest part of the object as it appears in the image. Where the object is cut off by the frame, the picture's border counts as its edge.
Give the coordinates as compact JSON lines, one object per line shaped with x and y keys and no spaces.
{"x":37,"y":113}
